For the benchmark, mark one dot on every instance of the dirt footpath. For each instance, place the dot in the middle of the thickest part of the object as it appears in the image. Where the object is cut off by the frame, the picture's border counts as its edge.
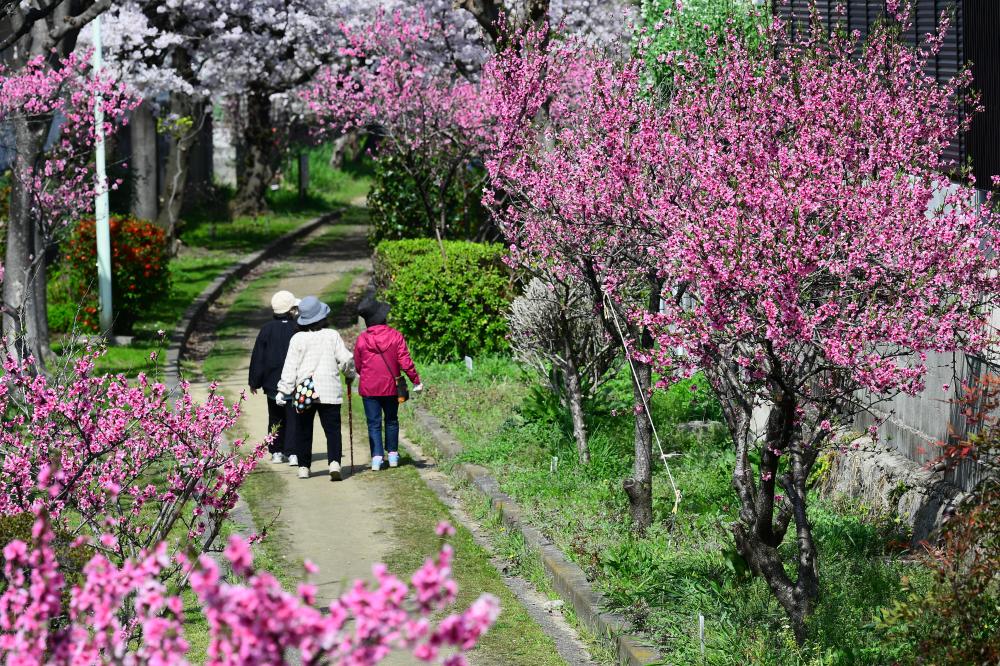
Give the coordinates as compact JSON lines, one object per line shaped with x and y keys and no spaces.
{"x":342,"y":527}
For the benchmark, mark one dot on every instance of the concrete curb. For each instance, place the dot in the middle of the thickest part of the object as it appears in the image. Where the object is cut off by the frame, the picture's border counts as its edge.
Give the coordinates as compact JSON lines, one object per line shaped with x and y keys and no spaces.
{"x":568,"y":579}
{"x":198,"y":307}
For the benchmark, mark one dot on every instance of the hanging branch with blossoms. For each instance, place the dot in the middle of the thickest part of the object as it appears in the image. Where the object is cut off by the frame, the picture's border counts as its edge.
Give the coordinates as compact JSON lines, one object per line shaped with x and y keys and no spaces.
{"x":55,"y":184}
{"x":62,"y":185}
{"x":251,"y":619}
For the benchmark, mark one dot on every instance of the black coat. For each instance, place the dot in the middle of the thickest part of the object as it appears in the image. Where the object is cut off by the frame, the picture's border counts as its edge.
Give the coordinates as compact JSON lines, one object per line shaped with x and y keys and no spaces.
{"x":269,"y":353}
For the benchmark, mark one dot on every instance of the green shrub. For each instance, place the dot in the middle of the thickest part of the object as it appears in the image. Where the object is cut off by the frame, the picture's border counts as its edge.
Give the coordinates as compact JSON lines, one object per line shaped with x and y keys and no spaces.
{"x":397,"y":207}
{"x":63,"y":304}
{"x":139,"y":272}
{"x":450,"y":307}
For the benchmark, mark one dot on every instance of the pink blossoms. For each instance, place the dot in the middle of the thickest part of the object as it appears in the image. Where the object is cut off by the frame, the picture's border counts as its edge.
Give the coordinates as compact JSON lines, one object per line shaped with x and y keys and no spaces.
{"x":781,"y":220}
{"x":251,"y":619}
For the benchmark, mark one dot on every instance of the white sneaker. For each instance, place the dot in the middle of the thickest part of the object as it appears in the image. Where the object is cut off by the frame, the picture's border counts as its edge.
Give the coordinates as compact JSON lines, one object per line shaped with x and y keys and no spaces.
{"x":277,"y":458}
{"x":376,"y":463}
{"x":393,"y":459}
{"x":303,"y":472}
{"x":293,"y":460}
{"x":335,"y":471}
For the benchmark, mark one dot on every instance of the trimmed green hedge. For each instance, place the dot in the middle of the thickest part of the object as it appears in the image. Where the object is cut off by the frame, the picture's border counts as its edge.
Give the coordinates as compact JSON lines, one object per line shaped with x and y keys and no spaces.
{"x":446,"y":308}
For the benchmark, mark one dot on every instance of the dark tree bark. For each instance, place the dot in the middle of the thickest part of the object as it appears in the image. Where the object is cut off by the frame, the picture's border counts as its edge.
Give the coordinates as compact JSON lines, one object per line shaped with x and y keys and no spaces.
{"x":765,"y":513}
{"x":487,"y":15}
{"x":574,"y":396}
{"x":639,"y":487}
{"x":488,"y":12}
{"x":142,"y":130}
{"x":38,"y":330}
{"x":303,"y":175}
{"x":345,"y":147}
{"x":260,"y":155}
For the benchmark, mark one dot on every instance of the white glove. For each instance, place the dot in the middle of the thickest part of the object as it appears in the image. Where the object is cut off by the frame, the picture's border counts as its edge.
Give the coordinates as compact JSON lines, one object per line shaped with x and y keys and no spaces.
{"x":417,"y":388}
{"x":279,"y":399}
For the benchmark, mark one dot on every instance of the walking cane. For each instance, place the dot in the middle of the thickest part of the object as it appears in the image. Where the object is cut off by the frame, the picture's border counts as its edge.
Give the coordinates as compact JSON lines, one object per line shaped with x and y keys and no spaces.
{"x":350,"y":424}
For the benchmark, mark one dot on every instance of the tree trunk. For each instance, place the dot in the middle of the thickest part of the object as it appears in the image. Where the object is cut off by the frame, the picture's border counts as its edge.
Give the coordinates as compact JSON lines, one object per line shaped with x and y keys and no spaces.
{"x":40,"y":296}
{"x":303,"y":175}
{"x":180,"y":140}
{"x":640,"y":487}
{"x":24,"y":278}
{"x":143,"y":136}
{"x":764,"y":519}
{"x":345,"y":148}
{"x":571,"y":373}
{"x":259,"y":157}
{"x":574,"y":395}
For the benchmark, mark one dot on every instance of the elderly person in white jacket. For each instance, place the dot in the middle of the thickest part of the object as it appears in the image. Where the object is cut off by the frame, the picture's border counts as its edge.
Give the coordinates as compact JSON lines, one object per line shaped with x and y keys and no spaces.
{"x":311,"y":378}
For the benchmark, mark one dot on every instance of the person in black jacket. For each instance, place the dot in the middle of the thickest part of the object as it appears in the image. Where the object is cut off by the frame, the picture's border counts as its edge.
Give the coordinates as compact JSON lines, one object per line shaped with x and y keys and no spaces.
{"x":266,"y":362}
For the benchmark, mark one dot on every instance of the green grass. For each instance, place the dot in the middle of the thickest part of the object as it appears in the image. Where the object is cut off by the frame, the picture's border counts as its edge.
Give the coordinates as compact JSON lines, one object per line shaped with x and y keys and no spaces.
{"x":339,"y":186}
{"x":684,"y":567}
{"x":259,"y":491}
{"x":414,"y":510}
{"x":230,"y":347}
{"x":335,"y":294}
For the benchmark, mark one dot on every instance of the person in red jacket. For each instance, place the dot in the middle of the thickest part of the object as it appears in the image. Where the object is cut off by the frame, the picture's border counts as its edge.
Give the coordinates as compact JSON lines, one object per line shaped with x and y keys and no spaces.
{"x":380,"y":355}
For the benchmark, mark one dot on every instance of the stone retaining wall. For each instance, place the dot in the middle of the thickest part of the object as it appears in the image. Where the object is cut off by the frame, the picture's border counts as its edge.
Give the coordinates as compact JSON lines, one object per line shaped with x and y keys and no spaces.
{"x":886,"y":480}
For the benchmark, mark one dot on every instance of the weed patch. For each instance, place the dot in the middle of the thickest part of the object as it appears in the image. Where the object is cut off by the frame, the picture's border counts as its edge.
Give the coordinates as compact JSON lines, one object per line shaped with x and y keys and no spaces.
{"x":687,"y":565}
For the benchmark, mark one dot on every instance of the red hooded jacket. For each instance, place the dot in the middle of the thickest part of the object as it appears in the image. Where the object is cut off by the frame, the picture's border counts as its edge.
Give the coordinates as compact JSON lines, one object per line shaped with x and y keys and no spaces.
{"x":379,"y":370}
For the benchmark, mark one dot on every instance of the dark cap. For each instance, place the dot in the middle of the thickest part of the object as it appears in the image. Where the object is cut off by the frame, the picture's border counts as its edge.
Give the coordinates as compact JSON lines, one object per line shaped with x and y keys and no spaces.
{"x":373,"y":312}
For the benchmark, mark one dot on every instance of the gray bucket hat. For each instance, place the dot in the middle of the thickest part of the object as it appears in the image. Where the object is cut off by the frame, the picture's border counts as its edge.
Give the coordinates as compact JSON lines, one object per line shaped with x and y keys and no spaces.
{"x":312,"y":310}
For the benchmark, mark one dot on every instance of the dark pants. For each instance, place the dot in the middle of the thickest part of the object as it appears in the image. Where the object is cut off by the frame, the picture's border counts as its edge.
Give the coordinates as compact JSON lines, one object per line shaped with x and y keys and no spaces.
{"x":375,"y":407}
{"x":278,"y":418}
{"x":301,"y":431}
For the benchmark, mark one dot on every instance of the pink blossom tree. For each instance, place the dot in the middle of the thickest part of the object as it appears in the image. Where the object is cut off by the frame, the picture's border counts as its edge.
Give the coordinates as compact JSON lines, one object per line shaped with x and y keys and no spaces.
{"x":410,"y":77}
{"x":790,"y":201}
{"x":130,"y":466}
{"x":143,"y":484}
{"x":800,"y":243}
{"x":571,"y":188}
{"x":51,"y":185}
{"x":425,"y":112}
{"x":816,"y":254}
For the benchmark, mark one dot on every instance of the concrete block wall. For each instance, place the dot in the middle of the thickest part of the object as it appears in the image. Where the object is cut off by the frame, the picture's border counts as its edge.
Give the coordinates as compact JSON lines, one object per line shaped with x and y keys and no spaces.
{"x":915,"y":427}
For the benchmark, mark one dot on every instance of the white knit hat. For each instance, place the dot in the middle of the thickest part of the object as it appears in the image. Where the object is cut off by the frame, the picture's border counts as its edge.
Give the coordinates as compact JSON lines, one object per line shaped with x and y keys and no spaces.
{"x":283,"y":301}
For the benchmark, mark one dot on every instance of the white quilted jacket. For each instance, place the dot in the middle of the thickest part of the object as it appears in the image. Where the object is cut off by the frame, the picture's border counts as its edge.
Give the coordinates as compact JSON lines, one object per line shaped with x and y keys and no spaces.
{"x":321,"y":355}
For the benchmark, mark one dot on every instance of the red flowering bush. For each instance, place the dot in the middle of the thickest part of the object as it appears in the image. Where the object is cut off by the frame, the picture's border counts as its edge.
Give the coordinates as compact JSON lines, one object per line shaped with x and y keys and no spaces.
{"x":139,"y":272}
